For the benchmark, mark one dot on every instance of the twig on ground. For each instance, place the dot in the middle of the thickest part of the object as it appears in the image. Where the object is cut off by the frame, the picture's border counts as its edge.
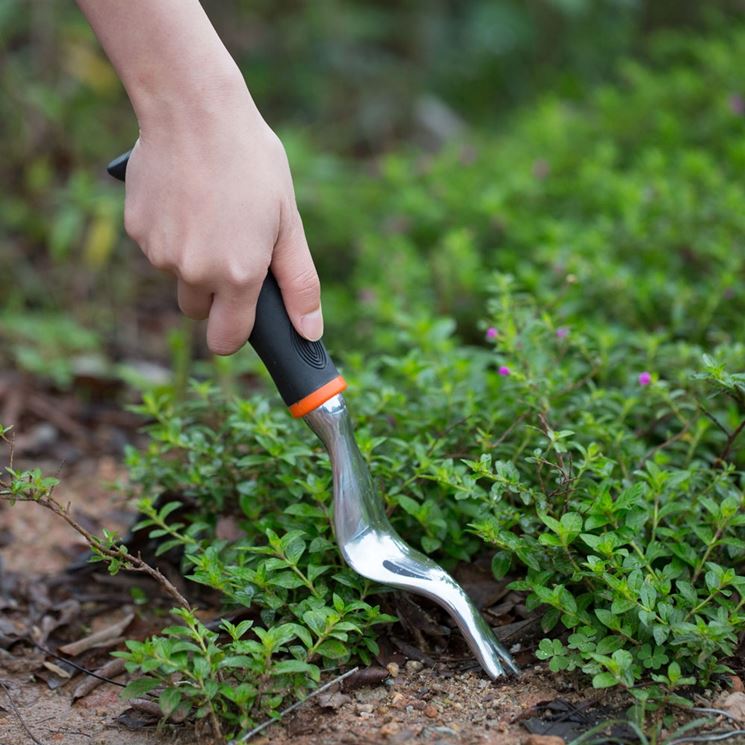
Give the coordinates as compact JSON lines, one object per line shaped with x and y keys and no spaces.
{"x":296,"y":705}
{"x":116,"y":553}
{"x":79,"y":668}
{"x":18,"y":714}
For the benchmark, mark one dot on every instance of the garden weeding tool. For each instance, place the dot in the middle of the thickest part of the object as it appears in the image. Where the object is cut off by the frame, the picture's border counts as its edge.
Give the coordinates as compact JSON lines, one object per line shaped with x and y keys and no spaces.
{"x":311,"y":386}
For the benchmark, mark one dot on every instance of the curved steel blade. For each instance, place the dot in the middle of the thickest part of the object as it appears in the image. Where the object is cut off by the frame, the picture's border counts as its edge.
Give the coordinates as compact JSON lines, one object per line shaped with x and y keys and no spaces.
{"x":372,"y":548}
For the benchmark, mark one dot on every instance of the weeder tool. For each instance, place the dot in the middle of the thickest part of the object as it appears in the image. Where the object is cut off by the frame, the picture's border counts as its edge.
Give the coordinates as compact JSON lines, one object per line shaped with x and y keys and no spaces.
{"x":311,"y":387}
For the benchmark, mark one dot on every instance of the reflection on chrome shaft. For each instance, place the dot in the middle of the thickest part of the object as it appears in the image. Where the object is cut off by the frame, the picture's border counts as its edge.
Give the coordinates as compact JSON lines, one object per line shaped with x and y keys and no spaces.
{"x":371,"y":546}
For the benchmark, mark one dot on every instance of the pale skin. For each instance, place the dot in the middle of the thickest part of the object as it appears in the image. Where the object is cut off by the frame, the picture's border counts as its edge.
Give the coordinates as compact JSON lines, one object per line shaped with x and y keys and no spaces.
{"x":209,"y":195}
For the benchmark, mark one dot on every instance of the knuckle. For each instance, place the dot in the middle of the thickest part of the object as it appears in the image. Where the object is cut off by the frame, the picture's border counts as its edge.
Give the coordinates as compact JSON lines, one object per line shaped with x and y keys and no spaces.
{"x":132,"y":223}
{"x":240,"y":276}
{"x":191,"y":272}
{"x":307,"y":283}
{"x":160,"y":260}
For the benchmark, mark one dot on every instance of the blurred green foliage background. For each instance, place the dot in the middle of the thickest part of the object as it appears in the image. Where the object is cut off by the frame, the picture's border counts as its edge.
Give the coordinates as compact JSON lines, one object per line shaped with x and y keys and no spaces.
{"x":565,"y":173}
{"x":364,"y":95}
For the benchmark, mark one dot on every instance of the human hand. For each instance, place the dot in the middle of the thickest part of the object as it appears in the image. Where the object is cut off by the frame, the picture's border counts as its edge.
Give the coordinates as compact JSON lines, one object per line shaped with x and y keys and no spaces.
{"x":209,"y":198}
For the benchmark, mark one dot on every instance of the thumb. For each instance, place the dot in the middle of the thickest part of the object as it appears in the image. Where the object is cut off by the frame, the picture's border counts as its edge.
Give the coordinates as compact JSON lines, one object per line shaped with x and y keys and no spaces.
{"x":292,"y":265}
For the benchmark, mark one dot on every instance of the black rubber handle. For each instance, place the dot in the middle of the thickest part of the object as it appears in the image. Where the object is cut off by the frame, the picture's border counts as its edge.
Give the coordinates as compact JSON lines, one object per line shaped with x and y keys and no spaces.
{"x":302,"y":370}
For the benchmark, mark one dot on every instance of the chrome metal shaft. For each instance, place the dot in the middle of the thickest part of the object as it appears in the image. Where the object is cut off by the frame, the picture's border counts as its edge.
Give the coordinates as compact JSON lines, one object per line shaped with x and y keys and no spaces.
{"x":372,"y":548}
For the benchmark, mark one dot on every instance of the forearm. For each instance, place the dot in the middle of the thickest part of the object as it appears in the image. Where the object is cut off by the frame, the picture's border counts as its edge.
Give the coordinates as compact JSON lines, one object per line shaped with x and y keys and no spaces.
{"x":167,"y":54}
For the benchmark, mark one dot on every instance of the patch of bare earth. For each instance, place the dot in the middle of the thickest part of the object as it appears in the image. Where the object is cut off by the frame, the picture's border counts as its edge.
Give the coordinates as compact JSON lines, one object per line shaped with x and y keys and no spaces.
{"x":426,"y":706}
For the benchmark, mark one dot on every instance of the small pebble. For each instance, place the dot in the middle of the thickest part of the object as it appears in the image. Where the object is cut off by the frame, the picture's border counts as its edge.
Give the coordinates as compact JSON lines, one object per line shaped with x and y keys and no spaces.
{"x":544,"y":740}
{"x":399,"y":700}
{"x":365,"y":708}
{"x":371,"y":695}
{"x":413,"y":666}
{"x":389,"y":729}
{"x":392,"y":668}
{"x":430,"y":711}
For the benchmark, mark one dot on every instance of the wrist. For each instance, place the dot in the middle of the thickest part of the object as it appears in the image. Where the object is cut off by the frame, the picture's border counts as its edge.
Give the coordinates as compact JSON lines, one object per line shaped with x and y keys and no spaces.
{"x":173,"y":100}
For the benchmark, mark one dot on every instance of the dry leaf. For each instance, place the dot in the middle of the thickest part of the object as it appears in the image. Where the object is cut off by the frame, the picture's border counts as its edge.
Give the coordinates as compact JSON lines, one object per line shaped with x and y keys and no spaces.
{"x":734,"y":705}
{"x":110,"y":670}
{"x":99,"y":638}
{"x":333,"y":700}
{"x":57,"y":670}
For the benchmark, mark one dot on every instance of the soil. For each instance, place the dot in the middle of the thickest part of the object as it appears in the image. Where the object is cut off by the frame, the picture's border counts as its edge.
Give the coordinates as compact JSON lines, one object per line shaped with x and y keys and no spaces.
{"x":431,"y":706}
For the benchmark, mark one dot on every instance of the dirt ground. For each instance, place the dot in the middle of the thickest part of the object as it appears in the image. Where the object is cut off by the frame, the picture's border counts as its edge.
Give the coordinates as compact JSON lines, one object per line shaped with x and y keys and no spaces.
{"x":421,"y":707}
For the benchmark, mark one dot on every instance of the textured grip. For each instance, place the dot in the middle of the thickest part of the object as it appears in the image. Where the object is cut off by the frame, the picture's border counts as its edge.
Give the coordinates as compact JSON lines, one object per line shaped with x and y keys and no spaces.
{"x":298,"y":367}
{"x":302,"y":370}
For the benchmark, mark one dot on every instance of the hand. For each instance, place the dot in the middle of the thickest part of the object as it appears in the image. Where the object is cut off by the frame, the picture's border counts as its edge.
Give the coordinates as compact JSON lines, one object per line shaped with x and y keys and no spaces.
{"x":209,"y":198}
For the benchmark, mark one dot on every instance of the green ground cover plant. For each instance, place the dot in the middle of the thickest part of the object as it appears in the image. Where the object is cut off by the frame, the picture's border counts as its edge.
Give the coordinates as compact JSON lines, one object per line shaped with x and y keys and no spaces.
{"x":545,"y":356}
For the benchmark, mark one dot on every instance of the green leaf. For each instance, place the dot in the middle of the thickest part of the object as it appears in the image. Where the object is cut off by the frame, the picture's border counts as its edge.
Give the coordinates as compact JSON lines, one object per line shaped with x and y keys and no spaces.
{"x":139,"y":687}
{"x":289,"y":667}
{"x":169,"y":700}
{"x":294,"y":550}
{"x":500,"y":564}
{"x":604,"y":680}
{"x":288,"y":580}
{"x":333,"y":649}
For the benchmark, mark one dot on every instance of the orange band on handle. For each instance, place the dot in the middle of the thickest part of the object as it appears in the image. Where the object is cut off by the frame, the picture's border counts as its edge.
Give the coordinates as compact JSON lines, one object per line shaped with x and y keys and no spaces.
{"x":319,"y":396}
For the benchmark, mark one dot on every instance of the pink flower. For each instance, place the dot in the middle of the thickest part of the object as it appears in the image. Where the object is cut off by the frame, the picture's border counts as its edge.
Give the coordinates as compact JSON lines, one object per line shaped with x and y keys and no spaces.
{"x":562,"y":332}
{"x":491,"y":333}
{"x":737,"y":104}
{"x":645,"y":378}
{"x":504,"y":370}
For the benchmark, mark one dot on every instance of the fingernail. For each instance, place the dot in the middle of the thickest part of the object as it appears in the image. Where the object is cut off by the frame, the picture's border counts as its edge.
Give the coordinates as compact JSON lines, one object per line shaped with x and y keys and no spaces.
{"x":311,"y":325}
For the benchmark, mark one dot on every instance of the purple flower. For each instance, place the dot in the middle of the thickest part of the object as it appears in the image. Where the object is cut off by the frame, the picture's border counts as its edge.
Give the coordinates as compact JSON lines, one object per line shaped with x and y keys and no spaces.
{"x":562,"y":332}
{"x":491,"y":333}
{"x":737,"y":104}
{"x":645,"y":378}
{"x":504,"y":370}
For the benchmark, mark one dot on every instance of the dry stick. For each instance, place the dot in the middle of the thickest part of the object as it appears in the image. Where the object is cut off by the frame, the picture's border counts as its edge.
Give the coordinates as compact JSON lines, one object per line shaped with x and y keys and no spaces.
{"x":296,"y":705}
{"x":135,"y":563}
{"x":18,"y":714}
{"x":79,"y":668}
